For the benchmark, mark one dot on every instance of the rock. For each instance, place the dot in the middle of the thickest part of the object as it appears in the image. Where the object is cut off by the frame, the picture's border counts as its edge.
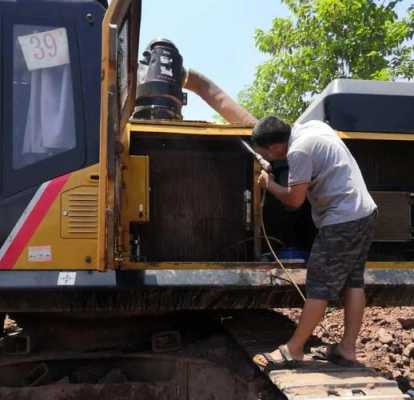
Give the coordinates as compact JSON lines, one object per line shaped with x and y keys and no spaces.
{"x":409,"y":351}
{"x":396,"y":348}
{"x":396,"y":374}
{"x":365,"y":339}
{"x":406,"y":323}
{"x":384,"y":337}
{"x":406,"y":338}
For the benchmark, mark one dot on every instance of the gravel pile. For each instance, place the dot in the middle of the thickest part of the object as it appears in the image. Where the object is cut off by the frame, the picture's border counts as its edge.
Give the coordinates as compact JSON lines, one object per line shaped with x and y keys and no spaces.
{"x":386,"y":341}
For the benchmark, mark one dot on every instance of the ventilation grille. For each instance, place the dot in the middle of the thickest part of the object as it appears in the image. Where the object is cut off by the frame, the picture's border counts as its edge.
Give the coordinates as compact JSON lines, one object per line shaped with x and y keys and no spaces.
{"x":394,"y":217}
{"x":80,"y":213}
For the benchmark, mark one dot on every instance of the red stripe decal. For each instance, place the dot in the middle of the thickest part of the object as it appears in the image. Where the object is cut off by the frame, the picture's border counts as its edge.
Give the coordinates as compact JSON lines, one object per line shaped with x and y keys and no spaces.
{"x":32,"y":222}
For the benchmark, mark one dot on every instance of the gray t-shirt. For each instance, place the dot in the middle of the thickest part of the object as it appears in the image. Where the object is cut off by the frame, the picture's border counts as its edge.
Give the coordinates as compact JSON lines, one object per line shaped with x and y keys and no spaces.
{"x":337,"y":191}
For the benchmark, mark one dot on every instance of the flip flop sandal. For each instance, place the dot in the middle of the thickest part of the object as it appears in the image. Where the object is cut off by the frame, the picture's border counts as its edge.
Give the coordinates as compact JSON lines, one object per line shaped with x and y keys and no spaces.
{"x":271,"y":362}
{"x":333,"y":355}
{"x":288,"y":360}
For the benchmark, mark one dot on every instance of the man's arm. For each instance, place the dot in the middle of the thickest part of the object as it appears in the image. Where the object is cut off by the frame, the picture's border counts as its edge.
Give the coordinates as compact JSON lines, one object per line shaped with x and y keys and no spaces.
{"x":291,"y":196}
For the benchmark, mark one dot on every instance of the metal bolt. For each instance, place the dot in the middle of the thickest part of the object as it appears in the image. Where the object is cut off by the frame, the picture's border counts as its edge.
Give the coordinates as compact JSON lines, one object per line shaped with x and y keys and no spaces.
{"x":89,"y":18}
{"x":88,"y":259}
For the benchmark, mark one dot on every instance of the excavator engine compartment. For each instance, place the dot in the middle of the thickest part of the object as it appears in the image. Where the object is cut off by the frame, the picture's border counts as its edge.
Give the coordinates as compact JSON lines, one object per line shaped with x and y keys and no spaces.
{"x":200,"y":197}
{"x":198,"y":201}
{"x":200,"y":204}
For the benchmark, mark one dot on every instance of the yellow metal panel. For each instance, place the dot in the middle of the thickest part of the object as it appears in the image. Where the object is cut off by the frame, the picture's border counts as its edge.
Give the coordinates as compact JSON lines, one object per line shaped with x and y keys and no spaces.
{"x":189,"y":128}
{"x":210,"y":129}
{"x":137,"y":189}
{"x":66,"y":252}
{"x":113,"y":140}
{"x":390,"y":264}
{"x":80,"y":213}
{"x":376,"y":136}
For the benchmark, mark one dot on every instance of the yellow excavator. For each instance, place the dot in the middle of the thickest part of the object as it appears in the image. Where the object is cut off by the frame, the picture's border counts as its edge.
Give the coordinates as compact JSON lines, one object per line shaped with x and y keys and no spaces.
{"x":113,"y":206}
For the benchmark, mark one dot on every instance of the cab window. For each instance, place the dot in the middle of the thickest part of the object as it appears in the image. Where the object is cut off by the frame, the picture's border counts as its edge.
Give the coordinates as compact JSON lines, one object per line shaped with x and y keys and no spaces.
{"x":43,"y":100}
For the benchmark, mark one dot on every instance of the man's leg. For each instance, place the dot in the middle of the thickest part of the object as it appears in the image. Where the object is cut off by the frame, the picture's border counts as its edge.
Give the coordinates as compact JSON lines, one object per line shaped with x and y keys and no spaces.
{"x":317,"y":278}
{"x":354,"y":289}
{"x":353,"y":312}
{"x":312,"y":313}
{"x":321,"y":285}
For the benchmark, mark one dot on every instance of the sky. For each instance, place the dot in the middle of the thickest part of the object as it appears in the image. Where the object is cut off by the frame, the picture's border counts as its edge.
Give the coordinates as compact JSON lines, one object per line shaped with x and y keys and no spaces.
{"x":215,"y":37}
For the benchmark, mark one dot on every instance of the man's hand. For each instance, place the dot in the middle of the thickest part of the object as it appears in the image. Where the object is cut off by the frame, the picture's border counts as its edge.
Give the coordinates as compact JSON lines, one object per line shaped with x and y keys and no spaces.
{"x":264,"y":179}
{"x":291,"y":196}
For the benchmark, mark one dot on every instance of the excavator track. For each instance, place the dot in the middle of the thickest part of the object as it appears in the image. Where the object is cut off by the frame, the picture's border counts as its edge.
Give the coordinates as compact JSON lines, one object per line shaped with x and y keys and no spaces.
{"x":314,"y":379}
{"x":191,"y":356}
{"x":162,"y":357}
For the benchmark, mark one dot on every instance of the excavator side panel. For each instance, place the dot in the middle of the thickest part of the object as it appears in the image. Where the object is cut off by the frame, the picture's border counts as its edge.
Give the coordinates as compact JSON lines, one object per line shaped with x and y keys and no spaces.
{"x":119,"y":59}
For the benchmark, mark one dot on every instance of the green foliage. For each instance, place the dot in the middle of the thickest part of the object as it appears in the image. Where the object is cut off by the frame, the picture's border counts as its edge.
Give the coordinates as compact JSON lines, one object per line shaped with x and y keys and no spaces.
{"x":324,"y":40}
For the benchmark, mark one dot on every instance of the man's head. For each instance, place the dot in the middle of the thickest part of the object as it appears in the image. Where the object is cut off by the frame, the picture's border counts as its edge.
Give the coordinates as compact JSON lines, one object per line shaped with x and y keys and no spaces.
{"x":270,"y":138}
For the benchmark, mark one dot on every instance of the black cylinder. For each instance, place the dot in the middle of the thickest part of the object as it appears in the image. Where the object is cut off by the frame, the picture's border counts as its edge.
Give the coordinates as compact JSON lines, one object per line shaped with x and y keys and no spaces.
{"x":159,"y":86}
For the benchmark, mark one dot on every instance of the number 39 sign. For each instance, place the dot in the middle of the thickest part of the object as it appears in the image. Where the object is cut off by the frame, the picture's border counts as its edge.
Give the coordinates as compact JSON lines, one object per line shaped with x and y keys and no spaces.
{"x":45,"y":49}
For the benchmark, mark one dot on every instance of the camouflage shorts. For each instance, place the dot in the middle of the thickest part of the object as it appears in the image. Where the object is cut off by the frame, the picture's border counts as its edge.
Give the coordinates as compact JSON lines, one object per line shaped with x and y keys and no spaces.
{"x":338,"y":258}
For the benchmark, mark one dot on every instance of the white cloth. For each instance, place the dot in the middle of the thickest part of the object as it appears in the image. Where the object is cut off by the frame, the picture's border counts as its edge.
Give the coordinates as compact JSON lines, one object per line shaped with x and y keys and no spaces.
{"x":50,"y":122}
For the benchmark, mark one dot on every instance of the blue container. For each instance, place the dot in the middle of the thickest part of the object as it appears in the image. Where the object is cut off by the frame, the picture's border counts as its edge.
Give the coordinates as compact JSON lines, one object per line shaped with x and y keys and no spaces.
{"x":293,"y":254}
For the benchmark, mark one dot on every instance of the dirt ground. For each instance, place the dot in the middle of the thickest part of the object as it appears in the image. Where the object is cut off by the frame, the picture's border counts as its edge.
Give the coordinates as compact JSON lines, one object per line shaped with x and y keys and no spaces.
{"x":386,"y":342}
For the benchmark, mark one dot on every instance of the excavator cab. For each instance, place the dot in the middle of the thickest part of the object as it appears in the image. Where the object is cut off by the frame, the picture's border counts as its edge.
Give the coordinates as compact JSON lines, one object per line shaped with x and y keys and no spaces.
{"x":50,"y":96}
{"x":50,"y":124}
{"x":50,"y":91}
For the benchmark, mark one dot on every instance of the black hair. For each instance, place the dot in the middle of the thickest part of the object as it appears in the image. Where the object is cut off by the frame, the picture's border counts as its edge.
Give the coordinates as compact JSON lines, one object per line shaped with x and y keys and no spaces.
{"x":269,"y":130}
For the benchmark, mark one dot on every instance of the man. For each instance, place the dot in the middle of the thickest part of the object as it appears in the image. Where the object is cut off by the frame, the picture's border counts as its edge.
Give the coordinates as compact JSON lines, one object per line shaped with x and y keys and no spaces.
{"x":322,"y":169}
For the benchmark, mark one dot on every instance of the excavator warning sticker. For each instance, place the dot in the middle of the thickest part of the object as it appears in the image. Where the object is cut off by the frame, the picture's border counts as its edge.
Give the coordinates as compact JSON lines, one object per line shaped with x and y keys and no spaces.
{"x":45,"y":49}
{"x":66,"y":279}
{"x":39,"y":253}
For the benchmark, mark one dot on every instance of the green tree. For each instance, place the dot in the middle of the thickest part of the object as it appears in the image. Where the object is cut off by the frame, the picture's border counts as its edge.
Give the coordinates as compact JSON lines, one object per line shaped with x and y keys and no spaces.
{"x":324,"y":40}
